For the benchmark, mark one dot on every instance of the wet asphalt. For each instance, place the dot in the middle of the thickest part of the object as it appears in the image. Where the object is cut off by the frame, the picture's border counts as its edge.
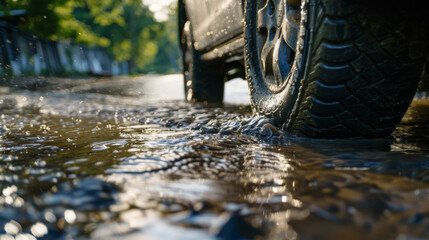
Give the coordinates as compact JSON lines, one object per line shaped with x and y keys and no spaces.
{"x":128,"y":158}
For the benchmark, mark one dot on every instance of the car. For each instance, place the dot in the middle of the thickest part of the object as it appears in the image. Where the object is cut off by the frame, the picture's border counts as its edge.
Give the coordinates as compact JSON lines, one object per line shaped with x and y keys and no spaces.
{"x":319,"y":68}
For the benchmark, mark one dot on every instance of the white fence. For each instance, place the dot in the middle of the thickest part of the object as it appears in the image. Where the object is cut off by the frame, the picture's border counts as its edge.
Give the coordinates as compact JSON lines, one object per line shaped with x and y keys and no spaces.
{"x":26,"y":54}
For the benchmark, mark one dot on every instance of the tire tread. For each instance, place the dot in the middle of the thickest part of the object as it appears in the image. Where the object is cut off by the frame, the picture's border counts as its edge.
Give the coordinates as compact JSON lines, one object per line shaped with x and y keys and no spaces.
{"x":362,"y":74}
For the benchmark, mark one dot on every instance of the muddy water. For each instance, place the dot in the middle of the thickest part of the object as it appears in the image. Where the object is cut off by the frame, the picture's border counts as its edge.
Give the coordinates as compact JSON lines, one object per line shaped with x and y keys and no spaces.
{"x":128,"y":159}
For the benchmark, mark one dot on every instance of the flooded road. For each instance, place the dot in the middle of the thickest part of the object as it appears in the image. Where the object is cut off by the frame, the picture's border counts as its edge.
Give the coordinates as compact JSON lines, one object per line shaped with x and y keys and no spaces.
{"x":127,"y":158}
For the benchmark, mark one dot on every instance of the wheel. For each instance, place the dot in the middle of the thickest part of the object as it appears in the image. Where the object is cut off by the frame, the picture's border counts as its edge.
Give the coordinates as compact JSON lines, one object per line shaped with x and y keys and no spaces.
{"x":203,"y":81}
{"x":332,"y":68}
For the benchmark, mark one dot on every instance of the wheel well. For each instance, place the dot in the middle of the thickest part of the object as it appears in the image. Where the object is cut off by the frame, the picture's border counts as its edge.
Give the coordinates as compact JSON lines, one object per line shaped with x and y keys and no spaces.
{"x":233,"y":66}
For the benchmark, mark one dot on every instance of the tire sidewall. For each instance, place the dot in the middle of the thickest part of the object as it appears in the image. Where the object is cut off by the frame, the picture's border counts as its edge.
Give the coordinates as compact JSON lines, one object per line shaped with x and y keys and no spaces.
{"x":280,"y":105}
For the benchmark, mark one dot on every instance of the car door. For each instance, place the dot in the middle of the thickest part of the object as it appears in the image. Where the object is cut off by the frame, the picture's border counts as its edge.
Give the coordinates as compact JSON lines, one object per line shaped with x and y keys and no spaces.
{"x":214,"y":22}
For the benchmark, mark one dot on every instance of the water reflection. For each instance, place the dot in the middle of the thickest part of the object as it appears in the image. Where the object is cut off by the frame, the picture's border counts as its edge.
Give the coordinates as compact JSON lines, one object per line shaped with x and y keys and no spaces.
{"x":412,"y":133}
{"x":103,"y":164}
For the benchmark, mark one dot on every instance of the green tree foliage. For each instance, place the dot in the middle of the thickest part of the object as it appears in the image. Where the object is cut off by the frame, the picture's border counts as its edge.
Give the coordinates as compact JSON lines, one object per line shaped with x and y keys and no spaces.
{"x":126,"y":28}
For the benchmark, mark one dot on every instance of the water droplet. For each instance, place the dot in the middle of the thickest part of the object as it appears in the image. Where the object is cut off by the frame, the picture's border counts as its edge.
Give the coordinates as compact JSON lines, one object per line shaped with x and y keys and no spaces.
{"x":50,"y":217}
{"x":9,"y":190}
{"x":25,"y":236}
{"x":39,"y":229}
{"x":70,"y":216}
{"x":19,"y":202}
{"x":6,"y":237}
{"x":12,"y":227}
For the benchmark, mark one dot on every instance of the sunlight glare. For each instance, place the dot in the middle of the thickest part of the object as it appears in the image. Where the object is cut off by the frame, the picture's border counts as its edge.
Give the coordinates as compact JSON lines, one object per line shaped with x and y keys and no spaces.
{"x":159,"y":8}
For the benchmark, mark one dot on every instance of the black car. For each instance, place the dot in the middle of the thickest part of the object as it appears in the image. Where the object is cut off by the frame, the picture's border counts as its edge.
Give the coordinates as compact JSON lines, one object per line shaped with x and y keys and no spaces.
{"x":319,"y":68}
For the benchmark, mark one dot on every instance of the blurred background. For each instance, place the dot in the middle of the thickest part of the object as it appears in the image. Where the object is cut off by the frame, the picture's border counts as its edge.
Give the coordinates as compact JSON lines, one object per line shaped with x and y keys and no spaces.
{"x":77,"y":37}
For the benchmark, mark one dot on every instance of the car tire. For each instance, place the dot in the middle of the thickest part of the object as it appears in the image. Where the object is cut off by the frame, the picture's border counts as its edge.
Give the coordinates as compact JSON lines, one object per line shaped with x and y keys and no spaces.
{"x":353,"y":71}
{"x":203,"y":80}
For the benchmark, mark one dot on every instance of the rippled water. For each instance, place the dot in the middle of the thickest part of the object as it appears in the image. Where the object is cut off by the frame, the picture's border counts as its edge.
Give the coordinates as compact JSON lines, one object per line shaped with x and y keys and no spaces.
{"x":128,"y":159}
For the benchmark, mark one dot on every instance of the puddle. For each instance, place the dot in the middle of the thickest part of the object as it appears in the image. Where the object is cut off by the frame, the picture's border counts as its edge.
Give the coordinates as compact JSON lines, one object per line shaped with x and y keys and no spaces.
{"x":128,"y":159}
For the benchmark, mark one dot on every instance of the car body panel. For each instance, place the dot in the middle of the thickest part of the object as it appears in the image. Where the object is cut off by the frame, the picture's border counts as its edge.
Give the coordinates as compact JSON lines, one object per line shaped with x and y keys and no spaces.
{"x":214,"y":21}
